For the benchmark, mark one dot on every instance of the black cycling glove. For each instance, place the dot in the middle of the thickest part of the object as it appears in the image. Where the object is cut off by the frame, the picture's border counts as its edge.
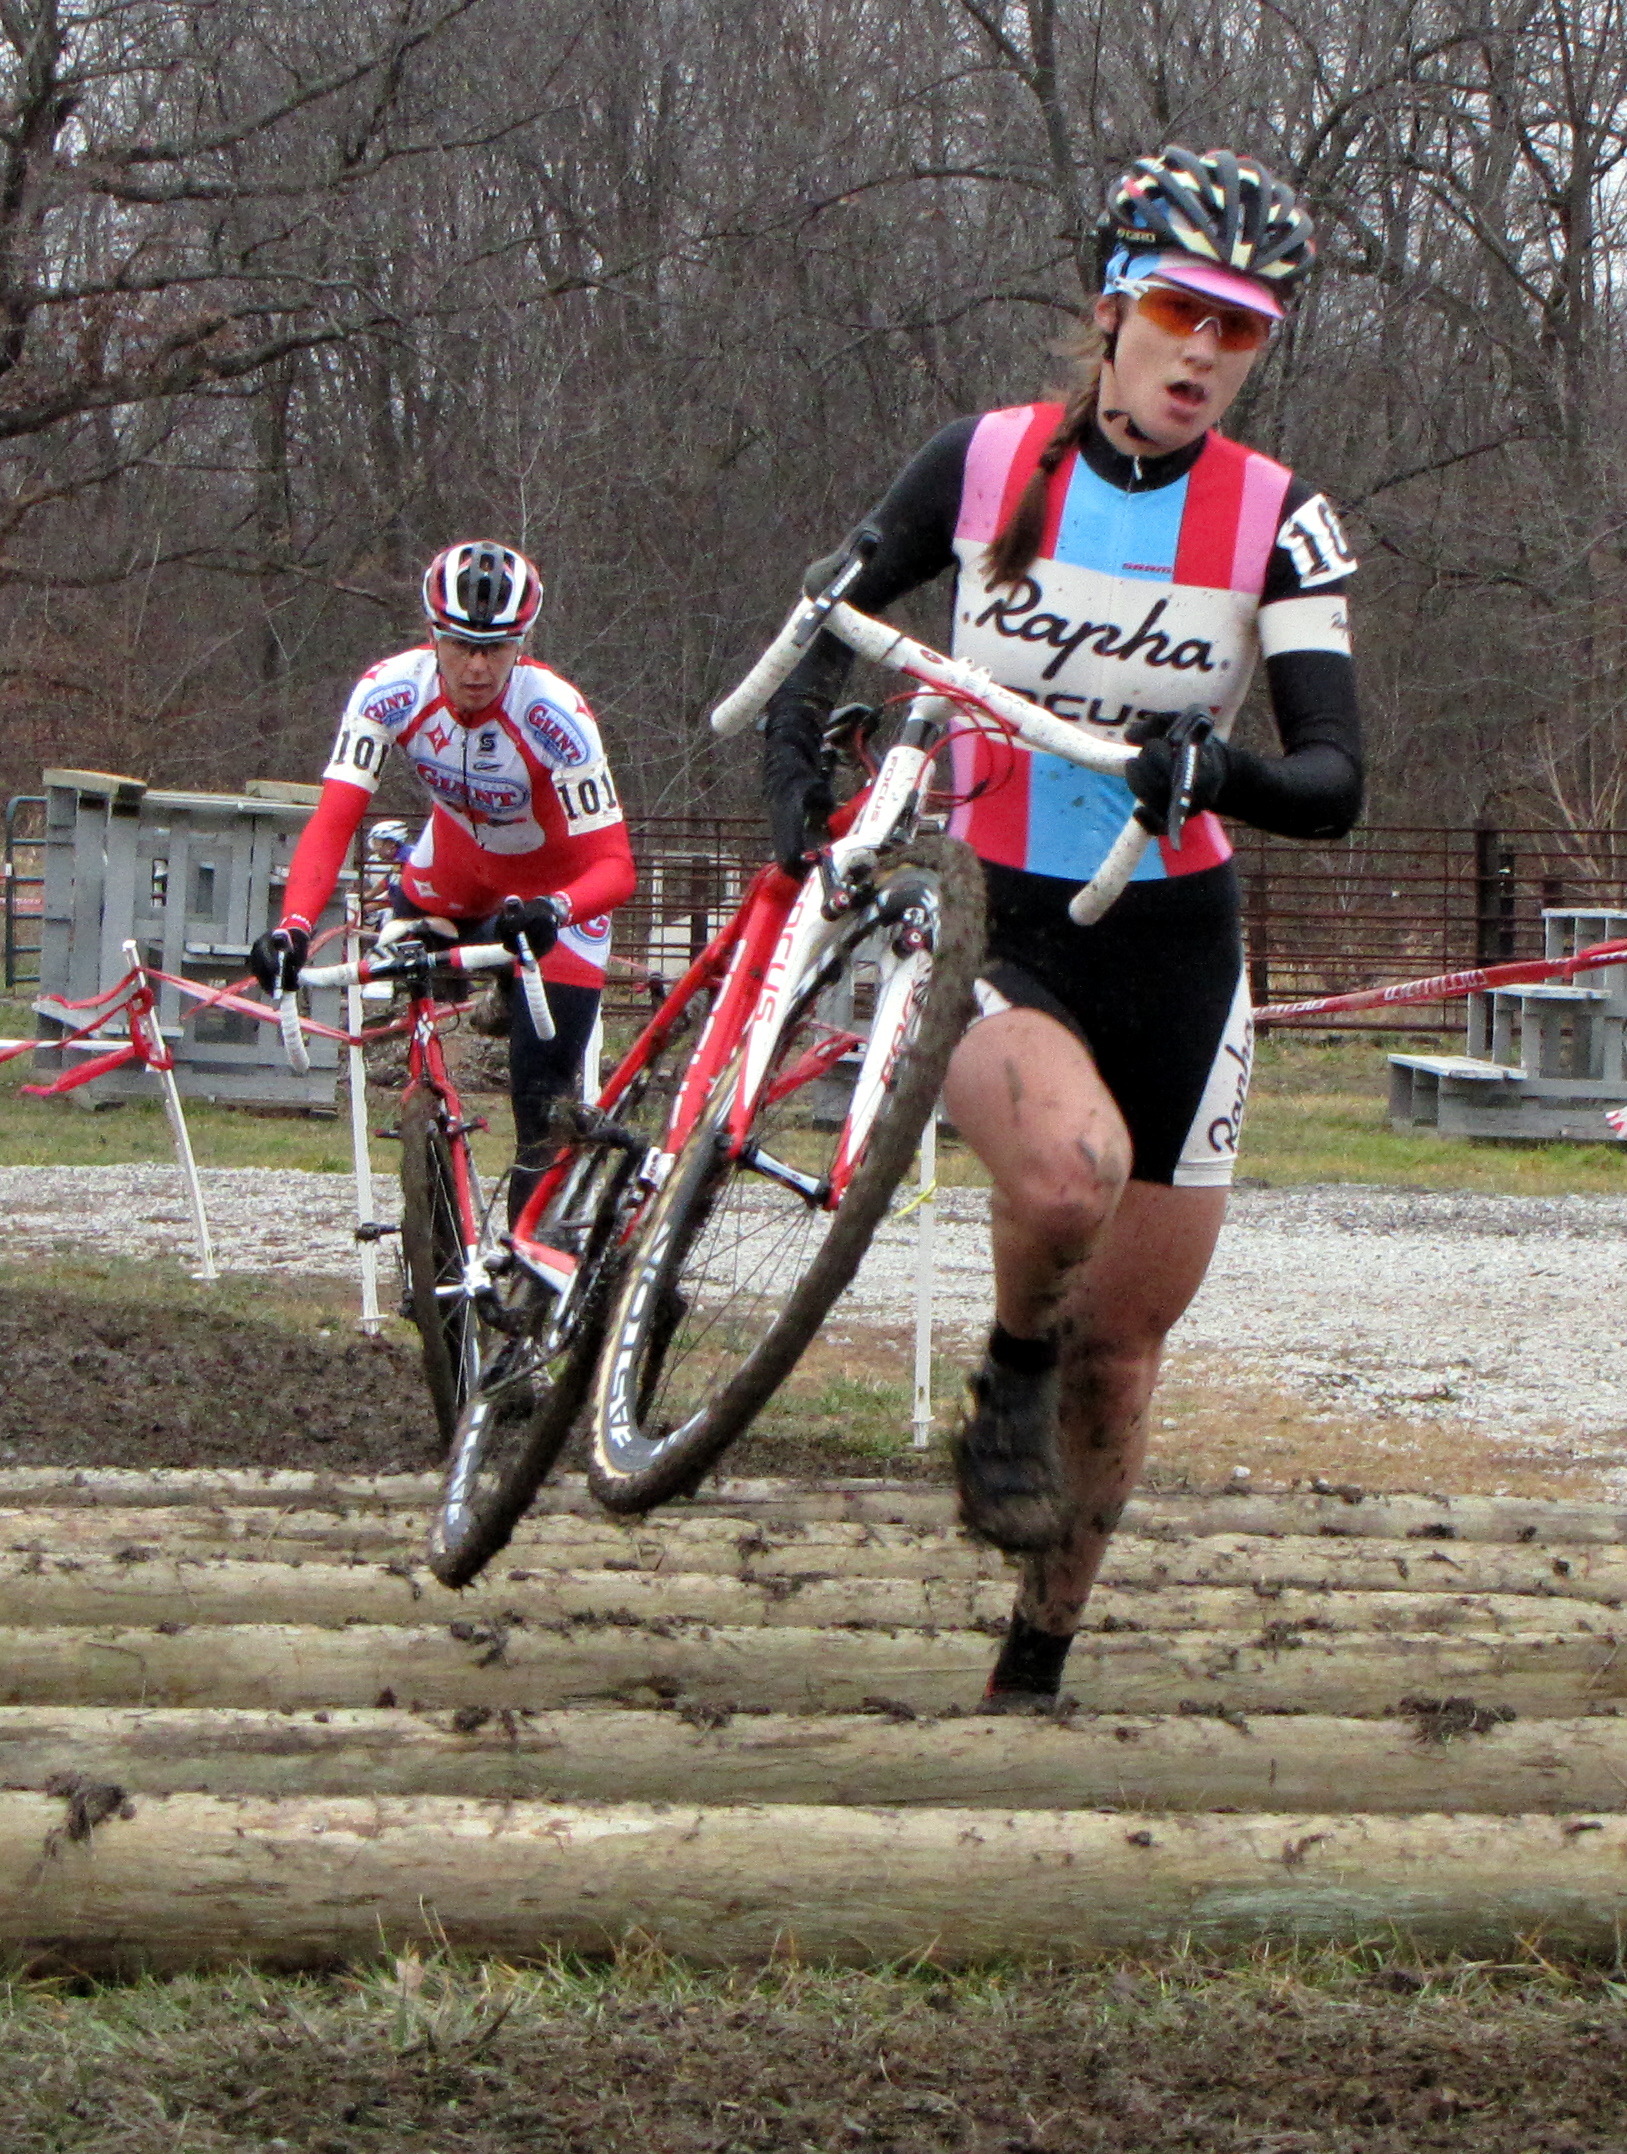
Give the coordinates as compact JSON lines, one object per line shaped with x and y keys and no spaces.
{"x":273,"y":949}
{"x":536,"y":920}
{"x":1151,"y":775}
{"x":800,"y":800}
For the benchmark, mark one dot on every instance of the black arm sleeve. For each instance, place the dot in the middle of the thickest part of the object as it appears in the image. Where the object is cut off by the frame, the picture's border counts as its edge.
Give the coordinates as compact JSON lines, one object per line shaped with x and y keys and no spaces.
{"x":1314,"y":789}
{"x":916,"y":518}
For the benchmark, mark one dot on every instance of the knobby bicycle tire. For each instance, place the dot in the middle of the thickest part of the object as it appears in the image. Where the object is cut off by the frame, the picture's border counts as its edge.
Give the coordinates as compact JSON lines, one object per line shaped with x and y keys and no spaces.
{"x":534,"y":1383}
{"x":725,"y":1281}
{"x":432,"y":1249}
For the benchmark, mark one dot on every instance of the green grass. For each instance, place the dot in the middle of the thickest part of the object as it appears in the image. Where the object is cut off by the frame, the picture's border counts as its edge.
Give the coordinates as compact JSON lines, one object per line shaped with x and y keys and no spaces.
{"x":436,"y":2055}
{"x":1317,"y":1113}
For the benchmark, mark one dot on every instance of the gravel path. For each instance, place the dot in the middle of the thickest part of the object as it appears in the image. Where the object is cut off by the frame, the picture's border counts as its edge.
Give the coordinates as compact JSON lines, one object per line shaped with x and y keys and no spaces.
{"x":1496,"y":1310}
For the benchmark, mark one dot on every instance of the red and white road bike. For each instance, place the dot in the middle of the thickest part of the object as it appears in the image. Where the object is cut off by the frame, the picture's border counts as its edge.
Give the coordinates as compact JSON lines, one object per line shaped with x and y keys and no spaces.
{"x":694,"y":1227}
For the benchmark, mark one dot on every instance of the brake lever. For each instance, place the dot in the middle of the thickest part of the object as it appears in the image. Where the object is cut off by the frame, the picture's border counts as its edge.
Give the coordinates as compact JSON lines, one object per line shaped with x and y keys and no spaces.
{"x":1189,"y":732}
{"x":856,"y":560}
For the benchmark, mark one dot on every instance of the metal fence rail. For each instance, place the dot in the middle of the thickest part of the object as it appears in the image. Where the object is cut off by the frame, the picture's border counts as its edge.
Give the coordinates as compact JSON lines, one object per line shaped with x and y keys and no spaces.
{"x":22,"y":889}
{"x":1389,"y":903}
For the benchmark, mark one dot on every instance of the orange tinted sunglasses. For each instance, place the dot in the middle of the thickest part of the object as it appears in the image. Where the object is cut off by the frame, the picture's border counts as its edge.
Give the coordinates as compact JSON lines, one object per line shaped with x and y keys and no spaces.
{"x":1183,"y":314}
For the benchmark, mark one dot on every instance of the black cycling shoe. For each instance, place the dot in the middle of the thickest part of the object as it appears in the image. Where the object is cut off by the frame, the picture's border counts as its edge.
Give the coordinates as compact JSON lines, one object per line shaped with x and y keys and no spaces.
{"x":493,"y":1013}
{"x":1012,"y":1492}
{"x":1032,"y":1703}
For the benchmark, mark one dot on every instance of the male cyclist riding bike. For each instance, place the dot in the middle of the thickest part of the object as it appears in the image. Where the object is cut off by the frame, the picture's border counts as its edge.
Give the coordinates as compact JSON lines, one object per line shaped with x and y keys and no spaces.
{"x":522,"y":806}
{"x":1125,"y":566}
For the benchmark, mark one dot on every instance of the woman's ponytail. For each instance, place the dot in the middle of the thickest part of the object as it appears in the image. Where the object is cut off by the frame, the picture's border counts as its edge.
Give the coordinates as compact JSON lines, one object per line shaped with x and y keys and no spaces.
{"x":1011,"y":551}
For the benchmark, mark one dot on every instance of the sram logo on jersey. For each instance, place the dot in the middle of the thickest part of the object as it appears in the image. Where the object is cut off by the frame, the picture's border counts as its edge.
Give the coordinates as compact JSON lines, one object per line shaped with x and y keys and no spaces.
{"x":392,"y":702}
{"x":556,"y":733}
{"x":1020,"y":617}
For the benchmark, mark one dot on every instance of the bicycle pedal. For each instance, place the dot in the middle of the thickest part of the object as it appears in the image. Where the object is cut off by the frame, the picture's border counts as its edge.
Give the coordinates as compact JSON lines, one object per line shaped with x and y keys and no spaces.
{"x":370,"y":1231}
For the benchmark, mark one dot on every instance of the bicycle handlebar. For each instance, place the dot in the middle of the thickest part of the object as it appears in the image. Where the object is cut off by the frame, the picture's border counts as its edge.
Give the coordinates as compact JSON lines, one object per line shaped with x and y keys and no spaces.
{"x":956,"y":677}
{"x":386,"y":964}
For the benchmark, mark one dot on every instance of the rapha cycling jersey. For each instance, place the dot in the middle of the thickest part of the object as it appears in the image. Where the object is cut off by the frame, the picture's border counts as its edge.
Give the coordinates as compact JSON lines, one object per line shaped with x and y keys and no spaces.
{"x":524,"y":804}
{"x":1158,"y":583}
{"x":1143,"y":600}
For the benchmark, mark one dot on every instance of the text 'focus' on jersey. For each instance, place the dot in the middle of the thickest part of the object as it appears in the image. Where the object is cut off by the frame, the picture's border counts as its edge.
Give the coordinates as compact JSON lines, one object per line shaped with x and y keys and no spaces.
{"x":528,"y":769}
{"x":1140,"y":602}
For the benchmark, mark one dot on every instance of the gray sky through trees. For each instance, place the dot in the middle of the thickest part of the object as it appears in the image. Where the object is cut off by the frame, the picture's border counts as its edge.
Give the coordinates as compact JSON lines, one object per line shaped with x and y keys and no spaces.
{"x":665,"y":290}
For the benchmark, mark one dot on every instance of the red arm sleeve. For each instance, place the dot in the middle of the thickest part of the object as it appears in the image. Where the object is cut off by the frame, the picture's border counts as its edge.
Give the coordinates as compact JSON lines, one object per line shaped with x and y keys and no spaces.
{"x":320,"y":853}
{"x":594,"y":871}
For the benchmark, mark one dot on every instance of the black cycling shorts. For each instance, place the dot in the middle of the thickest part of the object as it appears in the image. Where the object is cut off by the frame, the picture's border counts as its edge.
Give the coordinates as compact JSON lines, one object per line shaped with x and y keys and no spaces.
{"x":1156,"y":990}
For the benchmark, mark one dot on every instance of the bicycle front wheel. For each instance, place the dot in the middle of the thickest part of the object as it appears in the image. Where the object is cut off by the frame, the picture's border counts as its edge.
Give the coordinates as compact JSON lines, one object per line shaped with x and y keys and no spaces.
{"x":437,"y":1240}
{"x":531,"y":1388}
{"x":733,"y":1268}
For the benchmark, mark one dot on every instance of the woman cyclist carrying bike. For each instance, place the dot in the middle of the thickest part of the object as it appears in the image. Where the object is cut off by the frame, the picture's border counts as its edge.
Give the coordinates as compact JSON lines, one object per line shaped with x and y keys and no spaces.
{"x":1123,"y":564}
{"x":523,"y":806}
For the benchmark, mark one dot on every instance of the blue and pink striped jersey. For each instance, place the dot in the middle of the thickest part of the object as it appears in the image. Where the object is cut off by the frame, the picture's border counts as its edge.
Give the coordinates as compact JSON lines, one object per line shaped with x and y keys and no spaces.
{"x":1139,"y":602}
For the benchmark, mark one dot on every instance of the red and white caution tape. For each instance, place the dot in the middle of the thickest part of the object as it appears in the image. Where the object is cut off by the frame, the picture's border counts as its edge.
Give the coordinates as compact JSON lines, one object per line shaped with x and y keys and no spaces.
{"x":1528,"y":972}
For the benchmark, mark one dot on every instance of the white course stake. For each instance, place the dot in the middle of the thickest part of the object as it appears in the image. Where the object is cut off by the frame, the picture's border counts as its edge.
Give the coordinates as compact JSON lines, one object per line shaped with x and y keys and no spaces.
{"x":592,"y":1061}
{"x":926,"y":1221}
{"x":367,"y":1250}
{"x":163,"y":1064}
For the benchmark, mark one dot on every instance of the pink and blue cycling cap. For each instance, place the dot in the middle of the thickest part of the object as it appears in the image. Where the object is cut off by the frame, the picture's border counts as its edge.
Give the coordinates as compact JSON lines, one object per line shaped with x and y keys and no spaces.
{"x":1127,"y":273}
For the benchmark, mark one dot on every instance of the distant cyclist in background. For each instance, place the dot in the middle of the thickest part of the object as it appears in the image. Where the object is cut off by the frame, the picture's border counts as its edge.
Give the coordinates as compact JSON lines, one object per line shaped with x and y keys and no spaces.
{"x":1125,"y":565}
{"x":522,"y":806}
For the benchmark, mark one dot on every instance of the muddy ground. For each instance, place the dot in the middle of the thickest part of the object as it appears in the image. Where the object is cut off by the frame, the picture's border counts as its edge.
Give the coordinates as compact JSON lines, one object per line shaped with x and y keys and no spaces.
{"x":1129,"y":2061}
{"x":256,"y":1374}
{"x":1361,"y":2051}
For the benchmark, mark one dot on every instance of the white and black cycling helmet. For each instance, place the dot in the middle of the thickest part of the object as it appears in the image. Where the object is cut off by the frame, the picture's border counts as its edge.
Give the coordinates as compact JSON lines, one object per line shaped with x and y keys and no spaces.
{"x":481,"y":592}
{"x":1210,"y":219}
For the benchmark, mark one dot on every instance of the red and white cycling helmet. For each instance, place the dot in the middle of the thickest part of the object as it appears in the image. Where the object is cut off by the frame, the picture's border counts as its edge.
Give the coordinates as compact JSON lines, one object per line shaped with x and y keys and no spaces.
{"x":481,"y":592}
{"x":1217,"y":221}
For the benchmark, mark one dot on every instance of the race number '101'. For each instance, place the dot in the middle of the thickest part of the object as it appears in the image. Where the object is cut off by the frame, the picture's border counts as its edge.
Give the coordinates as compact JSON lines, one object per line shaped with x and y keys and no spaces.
{"x":588,"y":798}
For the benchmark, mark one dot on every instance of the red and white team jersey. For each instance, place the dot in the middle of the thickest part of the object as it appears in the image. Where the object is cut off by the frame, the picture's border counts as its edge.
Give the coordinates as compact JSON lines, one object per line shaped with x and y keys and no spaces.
{"x":523,"y":804}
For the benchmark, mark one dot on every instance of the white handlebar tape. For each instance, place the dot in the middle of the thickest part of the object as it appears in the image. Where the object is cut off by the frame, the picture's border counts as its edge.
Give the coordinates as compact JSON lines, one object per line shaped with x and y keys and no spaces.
{"x":536,"y":995}
{"x":1091,"y":901}
{"x":741,"y":706}
{"x":293,"y":1038}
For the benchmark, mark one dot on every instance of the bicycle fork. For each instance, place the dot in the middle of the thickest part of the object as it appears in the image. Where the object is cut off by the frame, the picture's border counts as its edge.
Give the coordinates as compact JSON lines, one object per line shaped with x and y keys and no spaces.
{"x":906,"y":914}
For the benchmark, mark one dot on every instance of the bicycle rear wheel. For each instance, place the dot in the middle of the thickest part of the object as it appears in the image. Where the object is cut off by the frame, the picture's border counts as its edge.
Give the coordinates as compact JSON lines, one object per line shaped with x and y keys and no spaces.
{"x":733,"y":1268}
{"x":435,"y":1242}
{"x":532,"y":1386}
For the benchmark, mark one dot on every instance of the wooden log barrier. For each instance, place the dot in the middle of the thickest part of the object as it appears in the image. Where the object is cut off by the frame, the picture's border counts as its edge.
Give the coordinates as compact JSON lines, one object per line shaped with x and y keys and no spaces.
{"x":1289,"y":1762}
{"x":1514,"y":1519}
{"x":475,"y":1662}
{"x":192,"y":1880}
{"x":137,"y":1588}
{"x":820,"y":1550}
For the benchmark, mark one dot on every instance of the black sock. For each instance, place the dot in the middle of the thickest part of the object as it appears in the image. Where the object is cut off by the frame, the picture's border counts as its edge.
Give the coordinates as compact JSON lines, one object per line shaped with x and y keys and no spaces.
{"x":1030,"y":1659}
{"x":1027,"y":1357}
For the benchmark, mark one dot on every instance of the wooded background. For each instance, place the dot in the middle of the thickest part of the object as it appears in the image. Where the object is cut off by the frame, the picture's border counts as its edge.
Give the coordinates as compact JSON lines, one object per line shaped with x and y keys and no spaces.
{"x":664,"y":291}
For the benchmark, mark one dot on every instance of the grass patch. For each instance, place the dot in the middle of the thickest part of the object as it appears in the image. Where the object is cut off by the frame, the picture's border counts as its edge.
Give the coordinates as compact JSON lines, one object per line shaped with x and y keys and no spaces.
{"x":1318,"y":1111}
{"x":1280,"y":2047}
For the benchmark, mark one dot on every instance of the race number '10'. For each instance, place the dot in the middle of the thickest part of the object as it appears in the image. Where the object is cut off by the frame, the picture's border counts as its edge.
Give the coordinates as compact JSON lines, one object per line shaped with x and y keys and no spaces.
{"x":1316,"y":544}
